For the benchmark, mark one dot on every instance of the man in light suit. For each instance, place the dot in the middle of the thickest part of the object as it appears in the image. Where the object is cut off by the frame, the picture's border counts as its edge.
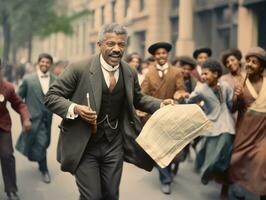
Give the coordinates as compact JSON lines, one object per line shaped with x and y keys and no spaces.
{"x":163,"y":81}
{"x":100,"y":93}
{"x":33,"y":88}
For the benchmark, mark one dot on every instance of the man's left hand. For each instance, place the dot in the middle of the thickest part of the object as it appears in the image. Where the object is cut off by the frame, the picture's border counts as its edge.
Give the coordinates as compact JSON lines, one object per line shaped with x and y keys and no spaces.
{"x":166,"y":102}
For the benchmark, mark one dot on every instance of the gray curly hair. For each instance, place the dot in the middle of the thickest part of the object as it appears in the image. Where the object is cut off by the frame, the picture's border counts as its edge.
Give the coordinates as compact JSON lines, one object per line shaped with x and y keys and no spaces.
{"x":112,"y":28}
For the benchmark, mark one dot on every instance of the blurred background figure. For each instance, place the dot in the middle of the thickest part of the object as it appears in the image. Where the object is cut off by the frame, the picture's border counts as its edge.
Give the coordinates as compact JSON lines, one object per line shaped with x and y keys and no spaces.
{"x":29,"y":68}
{"x":8,"y":72}
{"x":134,"y":60}
{"x":201,"y":55}
{"x":20,"y":70}
{"x":187,"y":64}
{"x":59,"y":67}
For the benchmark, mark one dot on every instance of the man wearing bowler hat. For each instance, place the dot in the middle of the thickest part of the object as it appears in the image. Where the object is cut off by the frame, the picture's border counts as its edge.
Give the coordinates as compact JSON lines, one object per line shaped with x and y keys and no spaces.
{"x":163,"y":81}
{"x":201,"y":55}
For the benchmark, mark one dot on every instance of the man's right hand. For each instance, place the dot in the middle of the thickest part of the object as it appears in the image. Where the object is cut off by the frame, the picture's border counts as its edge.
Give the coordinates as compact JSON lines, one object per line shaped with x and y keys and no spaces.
{"x":238,"y":91}
{"x":86,"y":113}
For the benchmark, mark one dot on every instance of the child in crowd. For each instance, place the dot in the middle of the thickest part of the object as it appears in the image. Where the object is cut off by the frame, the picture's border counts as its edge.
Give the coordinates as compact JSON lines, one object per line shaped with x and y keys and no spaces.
{"x":214,"y":158}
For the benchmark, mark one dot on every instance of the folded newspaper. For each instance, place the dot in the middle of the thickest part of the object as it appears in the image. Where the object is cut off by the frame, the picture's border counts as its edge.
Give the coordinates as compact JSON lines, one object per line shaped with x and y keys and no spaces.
{"x":170,"y":129}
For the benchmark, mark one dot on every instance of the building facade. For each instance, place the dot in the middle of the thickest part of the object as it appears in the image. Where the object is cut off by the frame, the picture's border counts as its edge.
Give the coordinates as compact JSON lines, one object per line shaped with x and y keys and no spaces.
{"x":186,"y":24}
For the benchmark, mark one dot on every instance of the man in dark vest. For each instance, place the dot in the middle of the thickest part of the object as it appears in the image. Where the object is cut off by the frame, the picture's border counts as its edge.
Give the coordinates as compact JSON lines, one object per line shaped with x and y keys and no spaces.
{"x":97,"y":98}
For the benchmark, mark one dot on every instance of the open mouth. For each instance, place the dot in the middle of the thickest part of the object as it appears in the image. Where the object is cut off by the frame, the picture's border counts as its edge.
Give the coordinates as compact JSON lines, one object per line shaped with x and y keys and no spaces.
{"x":115,"y":57}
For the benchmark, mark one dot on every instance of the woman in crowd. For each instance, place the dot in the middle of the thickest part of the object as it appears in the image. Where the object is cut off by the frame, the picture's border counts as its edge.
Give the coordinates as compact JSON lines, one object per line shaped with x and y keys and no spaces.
{"x":134,"y":60}
{"x":231,"y":59}
{"x":248,"y":162}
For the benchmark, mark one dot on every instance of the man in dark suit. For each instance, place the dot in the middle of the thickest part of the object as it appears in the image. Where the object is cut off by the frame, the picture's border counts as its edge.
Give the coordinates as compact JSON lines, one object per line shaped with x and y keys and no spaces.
{"x":32,"y":89}
{"x":7,"y":94}
{"x":100,"y":93}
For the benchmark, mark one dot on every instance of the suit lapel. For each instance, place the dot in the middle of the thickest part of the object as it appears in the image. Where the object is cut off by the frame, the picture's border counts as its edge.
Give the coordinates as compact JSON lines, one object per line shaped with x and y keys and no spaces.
{"x":95,"y":77}
{"x":37,"y":86}
{"x":156,"y":80}
{"x":128,"y":82}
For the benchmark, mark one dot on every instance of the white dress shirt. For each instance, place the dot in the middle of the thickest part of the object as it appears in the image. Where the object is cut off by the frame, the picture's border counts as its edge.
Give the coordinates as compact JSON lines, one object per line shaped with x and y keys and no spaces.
{"x":162,"y":69}
{"x":44,"y":80}
{"x":106,"y":68}
{"x":199,"y":69}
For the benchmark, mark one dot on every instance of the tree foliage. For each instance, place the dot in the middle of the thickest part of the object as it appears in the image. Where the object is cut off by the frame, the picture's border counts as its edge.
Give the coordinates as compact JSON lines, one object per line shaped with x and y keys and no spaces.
{"x":30,"y":18}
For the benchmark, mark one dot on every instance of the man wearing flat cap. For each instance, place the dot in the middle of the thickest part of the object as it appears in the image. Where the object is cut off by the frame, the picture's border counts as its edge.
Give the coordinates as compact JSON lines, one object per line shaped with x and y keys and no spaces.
{"x":163,"y":81}
{"x":248,"y":161}
{"x":201,"y":55}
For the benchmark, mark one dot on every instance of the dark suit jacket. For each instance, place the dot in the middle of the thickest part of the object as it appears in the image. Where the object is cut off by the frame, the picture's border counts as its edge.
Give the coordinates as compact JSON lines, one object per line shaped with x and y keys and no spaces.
{"x":86,"y":77}
{"x":31,"y":91}
{"x":7,"y":92}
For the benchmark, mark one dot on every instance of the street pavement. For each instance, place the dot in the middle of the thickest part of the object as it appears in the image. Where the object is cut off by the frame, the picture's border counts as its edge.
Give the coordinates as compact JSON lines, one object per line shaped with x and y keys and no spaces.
{"x":136,"y":184}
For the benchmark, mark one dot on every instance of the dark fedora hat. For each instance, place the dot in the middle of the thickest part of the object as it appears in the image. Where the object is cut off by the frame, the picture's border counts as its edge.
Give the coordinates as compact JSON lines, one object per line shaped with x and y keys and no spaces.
{"x":202,"y":50}
{"x":158,"y":45}
{"x":187,"y":60}
{"x":258,"y":52}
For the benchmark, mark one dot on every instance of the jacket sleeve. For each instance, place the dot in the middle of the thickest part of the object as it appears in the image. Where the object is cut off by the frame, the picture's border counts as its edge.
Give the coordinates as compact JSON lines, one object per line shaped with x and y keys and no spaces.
{"x":145,"y":85}
{"x":144,"y":102}
{"x":57,"y":98}
{"x":18,"y":105}
{"x":195,"y":96}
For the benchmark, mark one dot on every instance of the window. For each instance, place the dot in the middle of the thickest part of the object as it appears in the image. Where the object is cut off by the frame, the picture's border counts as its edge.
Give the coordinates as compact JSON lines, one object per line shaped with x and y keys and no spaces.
{"x":141,"y":5}
{"x":127,"y":4}
{"x":175,"y":4}
{"x":92,"y":19}
{"x":113,"y":11}
{"x":141,"y":40}
{"x":102,"y":15}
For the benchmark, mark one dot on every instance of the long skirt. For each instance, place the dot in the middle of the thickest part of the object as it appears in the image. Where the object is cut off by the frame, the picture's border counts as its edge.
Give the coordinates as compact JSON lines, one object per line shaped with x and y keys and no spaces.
{"x":248,"y":163}
{"x":217,"y":153}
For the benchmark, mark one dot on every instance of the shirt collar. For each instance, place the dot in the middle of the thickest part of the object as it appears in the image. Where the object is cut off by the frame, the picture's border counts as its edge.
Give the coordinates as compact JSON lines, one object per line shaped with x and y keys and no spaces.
{"x":106,"y":66}
{"x":163,"y":67}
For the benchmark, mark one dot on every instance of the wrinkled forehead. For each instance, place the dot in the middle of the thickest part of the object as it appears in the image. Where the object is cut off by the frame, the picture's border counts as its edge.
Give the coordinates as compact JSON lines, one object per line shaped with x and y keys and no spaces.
{"x":115,"y":37}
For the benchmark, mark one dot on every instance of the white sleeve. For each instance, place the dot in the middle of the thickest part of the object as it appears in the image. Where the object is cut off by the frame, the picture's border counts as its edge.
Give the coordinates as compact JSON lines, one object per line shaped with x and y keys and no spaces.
{"x":70,"y":112}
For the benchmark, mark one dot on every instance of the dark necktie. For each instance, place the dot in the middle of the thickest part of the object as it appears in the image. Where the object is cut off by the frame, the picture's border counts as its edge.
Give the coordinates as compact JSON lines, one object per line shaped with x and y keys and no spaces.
{"x":112,"y":81}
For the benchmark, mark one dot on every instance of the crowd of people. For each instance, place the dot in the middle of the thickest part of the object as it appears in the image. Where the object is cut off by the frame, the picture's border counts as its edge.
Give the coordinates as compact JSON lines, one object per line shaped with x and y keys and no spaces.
{"x":104,"y":102}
